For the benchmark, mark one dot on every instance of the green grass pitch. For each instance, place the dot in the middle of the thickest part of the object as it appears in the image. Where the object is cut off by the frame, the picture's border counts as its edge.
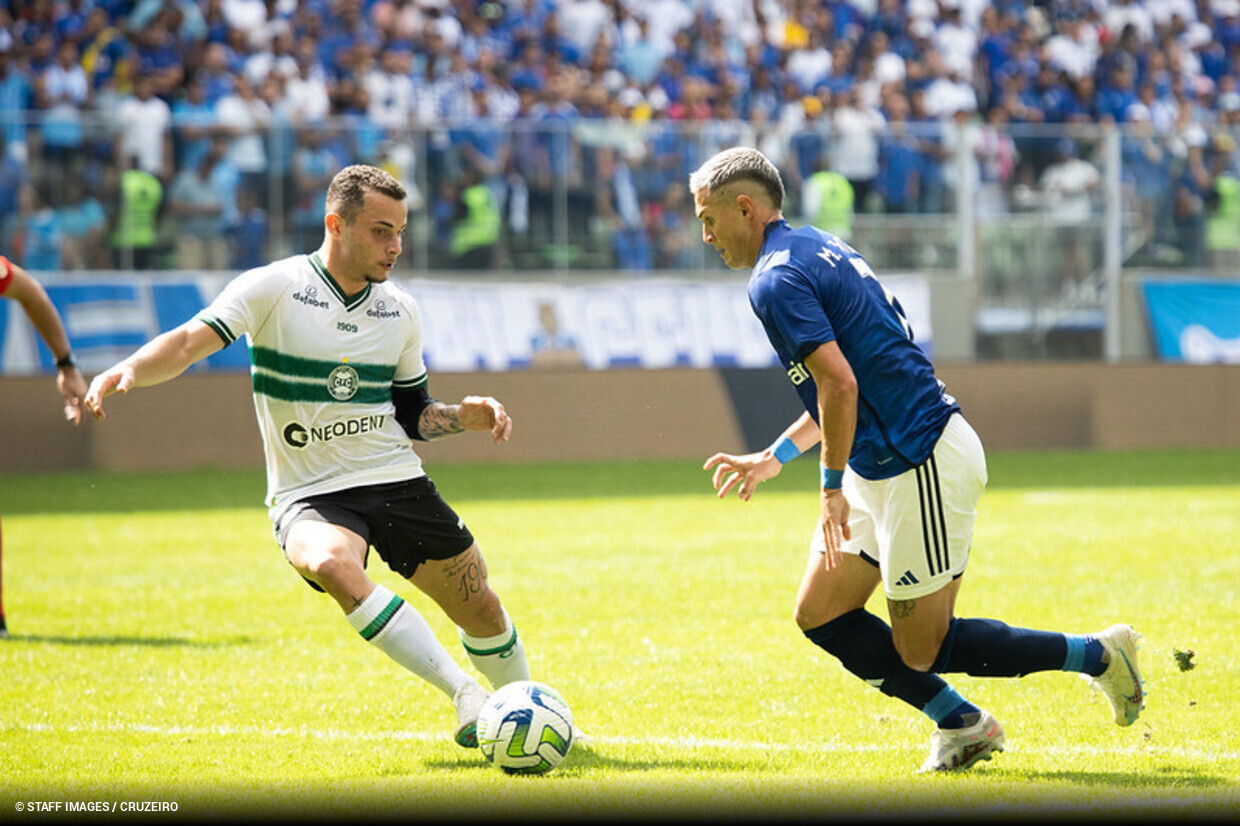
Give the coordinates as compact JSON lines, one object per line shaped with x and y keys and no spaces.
{"x":162,"y":650}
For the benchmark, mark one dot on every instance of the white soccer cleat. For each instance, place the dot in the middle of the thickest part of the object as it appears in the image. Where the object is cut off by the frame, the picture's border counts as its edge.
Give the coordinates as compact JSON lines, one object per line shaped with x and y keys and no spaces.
{"x":1121,"y":682}
{"x":958,"y":749}
{"x":468,"y":701}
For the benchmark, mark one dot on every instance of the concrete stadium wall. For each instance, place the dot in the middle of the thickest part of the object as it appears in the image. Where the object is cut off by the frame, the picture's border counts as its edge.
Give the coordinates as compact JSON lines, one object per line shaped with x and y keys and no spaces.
{"x":202,"y":420}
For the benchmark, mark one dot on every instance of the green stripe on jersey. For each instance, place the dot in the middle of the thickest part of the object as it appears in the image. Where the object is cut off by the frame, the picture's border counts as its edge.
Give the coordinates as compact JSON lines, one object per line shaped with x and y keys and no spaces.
{"x":299,"y":390}
{"x":411,"y":384}
{"x":376,"y":625}
{"x":220,"y":328}
{"x":298,"y":367}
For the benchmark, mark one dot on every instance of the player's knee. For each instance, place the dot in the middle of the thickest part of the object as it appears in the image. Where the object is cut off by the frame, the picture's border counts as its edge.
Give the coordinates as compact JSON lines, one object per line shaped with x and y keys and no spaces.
{"x":326,"y":569}
{"x":917,"y":654}
{"x":809,"y":614}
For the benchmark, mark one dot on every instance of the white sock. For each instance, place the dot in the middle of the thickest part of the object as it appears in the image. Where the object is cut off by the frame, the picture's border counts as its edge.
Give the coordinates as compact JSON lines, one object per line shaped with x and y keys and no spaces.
{"x":500,"y":658}
{"x":398,"y":630}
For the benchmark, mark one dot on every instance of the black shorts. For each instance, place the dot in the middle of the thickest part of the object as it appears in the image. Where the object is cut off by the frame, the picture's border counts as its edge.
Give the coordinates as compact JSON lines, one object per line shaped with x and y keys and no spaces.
{"x":406,"y":522}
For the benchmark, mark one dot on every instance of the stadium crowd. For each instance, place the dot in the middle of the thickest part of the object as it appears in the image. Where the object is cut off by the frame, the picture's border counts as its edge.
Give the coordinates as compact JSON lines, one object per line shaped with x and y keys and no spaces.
{"x":511,"y":119}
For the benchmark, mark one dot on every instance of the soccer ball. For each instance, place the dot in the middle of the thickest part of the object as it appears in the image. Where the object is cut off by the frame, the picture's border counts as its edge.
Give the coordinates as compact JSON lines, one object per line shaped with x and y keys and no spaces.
{"x":525,"y":727}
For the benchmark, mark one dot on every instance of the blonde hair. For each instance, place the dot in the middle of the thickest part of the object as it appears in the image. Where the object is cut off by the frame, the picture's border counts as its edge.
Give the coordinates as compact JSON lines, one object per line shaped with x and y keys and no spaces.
{"x":737,"y":165}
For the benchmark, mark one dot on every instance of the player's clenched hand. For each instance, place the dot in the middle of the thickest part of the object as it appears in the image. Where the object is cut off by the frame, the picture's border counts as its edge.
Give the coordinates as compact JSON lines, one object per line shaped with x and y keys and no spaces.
{"x":117,"y":380}
{"x":485,"y":413}
{"x":747,"y":471}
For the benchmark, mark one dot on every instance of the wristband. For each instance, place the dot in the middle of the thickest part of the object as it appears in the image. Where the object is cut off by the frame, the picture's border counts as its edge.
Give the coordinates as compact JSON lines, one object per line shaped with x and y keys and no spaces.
{"x":786,"y":450}
{"x":832,"y":479}
{"x":66,"y":361}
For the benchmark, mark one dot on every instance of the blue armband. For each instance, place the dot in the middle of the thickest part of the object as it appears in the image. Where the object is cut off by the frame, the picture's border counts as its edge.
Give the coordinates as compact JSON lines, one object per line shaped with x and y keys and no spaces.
{"x":786,"y":450}
{"x":832,"y":479}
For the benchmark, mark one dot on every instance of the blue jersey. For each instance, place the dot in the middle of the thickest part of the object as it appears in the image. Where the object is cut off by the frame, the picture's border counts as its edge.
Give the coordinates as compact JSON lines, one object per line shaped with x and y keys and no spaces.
{"x":809,"y":288}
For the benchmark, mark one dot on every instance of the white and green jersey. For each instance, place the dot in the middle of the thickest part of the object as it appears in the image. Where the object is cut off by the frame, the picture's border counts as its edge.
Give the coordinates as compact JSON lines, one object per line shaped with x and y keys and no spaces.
{"x":322,"y":368}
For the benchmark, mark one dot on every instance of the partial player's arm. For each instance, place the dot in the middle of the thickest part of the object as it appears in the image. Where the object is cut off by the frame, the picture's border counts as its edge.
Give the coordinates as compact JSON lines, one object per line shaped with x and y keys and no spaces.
{"x":751,"y":469}
{"x":164,"y":357}
{"x":473,"y":413}
{"x":29,"y":293}
{"x":837,"y":413}
{"x":426,"y":418}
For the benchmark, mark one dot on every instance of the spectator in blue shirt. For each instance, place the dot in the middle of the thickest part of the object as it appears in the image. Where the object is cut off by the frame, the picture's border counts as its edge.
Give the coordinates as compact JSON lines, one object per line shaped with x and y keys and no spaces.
{"x":193,"y":124}
{"x":899,"y":160}
{"x":16,"y":96}
{"x":42,"y":235}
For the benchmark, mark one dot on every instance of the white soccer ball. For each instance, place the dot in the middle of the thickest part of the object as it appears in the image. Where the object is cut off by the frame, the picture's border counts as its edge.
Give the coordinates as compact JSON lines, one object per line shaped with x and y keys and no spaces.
{"x":525,"y":727}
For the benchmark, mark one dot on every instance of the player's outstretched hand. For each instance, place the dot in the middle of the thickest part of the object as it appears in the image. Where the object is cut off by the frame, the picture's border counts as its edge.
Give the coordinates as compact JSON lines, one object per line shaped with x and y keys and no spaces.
{"x":747,"y":471}
{"x":73,"y":388}
{"x":115,"y":380}
{"x":486,"y":413}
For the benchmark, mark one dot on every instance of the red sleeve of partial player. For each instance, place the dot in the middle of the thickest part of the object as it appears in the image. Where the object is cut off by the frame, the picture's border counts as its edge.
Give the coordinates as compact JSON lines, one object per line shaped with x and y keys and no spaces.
{"x":6,"y":274}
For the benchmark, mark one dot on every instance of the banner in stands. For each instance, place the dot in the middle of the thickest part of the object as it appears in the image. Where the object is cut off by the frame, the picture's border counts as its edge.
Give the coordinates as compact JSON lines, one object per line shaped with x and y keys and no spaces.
{"x":1195,"y":321}
{"x":468,"y":324}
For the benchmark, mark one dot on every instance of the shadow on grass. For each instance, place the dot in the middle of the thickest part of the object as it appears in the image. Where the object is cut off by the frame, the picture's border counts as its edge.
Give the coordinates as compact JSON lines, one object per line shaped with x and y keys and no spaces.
{"x":584,"y":759}
{"x":144,"y":642}
{"x":1177,"y":777}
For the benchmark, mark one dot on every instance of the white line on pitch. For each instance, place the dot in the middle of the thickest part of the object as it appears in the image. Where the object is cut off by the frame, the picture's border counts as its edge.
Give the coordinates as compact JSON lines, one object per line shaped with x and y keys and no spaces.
{"x":673,"y":742}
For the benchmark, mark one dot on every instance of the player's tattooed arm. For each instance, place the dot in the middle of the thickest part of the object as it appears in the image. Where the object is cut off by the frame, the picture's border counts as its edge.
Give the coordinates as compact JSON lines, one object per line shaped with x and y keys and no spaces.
{"x":439,"y":420}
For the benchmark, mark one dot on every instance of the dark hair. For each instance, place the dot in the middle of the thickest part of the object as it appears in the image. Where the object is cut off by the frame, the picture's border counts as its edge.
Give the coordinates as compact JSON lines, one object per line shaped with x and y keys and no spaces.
{"x":346,"y":194}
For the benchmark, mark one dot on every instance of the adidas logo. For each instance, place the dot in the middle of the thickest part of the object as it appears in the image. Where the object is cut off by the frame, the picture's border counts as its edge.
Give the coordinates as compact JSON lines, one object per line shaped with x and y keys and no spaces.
{"x":907,"y":579}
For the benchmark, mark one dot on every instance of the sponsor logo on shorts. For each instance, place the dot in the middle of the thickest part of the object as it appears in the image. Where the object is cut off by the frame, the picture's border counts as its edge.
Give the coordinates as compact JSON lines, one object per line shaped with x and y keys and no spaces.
{"x":907,"y":580}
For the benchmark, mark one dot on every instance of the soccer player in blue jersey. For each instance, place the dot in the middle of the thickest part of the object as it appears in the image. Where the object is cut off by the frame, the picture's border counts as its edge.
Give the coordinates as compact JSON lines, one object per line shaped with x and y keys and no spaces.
{"x":902,"y":472}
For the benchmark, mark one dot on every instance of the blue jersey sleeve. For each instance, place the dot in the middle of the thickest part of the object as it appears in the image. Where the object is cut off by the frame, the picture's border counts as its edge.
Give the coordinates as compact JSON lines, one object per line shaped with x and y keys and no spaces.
{"x":797,"y":315}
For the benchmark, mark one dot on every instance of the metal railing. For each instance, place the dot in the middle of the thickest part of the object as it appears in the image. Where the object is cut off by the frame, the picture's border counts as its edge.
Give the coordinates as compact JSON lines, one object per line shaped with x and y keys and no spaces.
{"x":1039,"y":262}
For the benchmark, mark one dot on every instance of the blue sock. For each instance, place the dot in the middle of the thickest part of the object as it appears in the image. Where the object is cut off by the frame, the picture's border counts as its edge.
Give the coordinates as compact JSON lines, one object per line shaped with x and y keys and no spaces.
{"x":990,"y":648}
{"x":948,"y":709}
{"x":1084,"y":655}
{"x":862,"y":643}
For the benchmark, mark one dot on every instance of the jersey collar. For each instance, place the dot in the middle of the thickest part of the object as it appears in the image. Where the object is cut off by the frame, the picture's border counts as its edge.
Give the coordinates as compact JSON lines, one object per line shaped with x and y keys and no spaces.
{"x":349,"y":301}
{"x":769,"y":230}
{"x":767,"y":259}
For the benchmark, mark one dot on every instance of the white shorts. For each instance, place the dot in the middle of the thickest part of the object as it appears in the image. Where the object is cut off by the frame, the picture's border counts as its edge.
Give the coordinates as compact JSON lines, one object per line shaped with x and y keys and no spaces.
{"x":918,"y":526}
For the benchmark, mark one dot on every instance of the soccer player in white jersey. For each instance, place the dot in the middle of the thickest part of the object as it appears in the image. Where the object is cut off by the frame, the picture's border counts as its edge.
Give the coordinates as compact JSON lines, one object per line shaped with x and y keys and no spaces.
{"x":340,"y":389}
{"x":902,"y":472}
